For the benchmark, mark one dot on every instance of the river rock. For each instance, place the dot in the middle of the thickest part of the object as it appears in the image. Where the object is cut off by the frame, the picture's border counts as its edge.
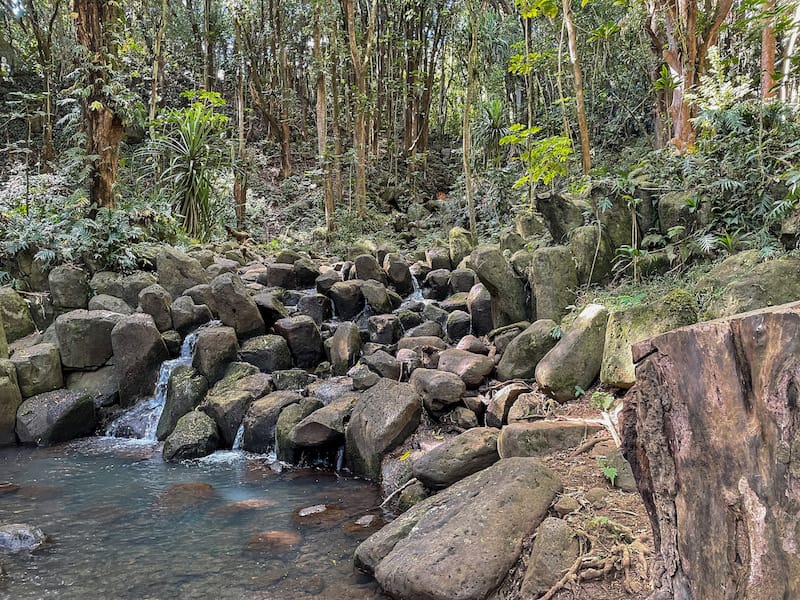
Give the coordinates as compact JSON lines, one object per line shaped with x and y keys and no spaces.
{"x":306,"y":273}
{"x":14,"y":314}
{"x":471,"y":368}
{"x":236,"y":307}
{"x":521,"y":356}
{"x":281,"y":275}
{"x":195,"y":435}
{"x":345,"y":347}
{"x":326,"y":280}
{"x":20,"y":537}
{"x":462,"y":542}
{"x":553,"y":279}
{"x":562,"y":213}
{"x":102,"y":384}
{"x":106,"y":283}
{"x":271,"y":308}
{"x":421,"y":342}
{"x":383,"y":363}
{"x":138,"y":354}
{"x":592,"y":264}
{"x":133,"y":284}
{"x":84,"y":337}
{"x":227,"y":408}
{"x":186,"y":315}
{"x":290,"y":416}
{"x":385,"y":329}
{"x":499,"y":407}
{"x":267,"y":352}
{"x":292,"y":379}
{"x":438,"y":258}
{"x":109,"y":303}
{"x":543,"y":437}
{"x":367,"y":267}
{"x":186,"y":388}
{"x":38,"y":369}
{"x":316,"y":306}
{"x":555,"y":548}
{"x":398,"y":273}
{"x":325,"y":426}
{"x":10,"y":400}
{"x":69,"y":287}
{"x":155,"y":301}
{"x":479,"y":306}
{"x":262,"y":418}
{"x":458,"y":325}
{"x":178,"y":271}
{"x":462,"y":280}
{"x":437,"y":284}
{"x":57,"y":416}
{"x":348,"y":300}
{"x":382,"y":419}
{"x":574,"y":362}
{"x":214,"y":348}
{"x":202,"y":294}
{"x":439,"y":389}
{"x":303,"y":338}
{"x":377,"y":297}
{"x":457,"y":457}
{"x":460,"y":244}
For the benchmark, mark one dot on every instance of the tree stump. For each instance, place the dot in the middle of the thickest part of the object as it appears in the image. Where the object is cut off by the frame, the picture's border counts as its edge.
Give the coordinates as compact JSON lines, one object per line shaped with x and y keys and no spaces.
{"x":712,"y":432}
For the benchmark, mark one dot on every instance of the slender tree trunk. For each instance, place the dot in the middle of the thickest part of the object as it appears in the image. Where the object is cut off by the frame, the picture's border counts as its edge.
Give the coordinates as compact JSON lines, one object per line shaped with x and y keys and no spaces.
{"x":768,"y":51}
{"x":158,"y":61}
{"x":322,"y":122}
{"x":338,"y":188}
{"x":241,"y":165}
{"x":466,"y":124}
{"x":208,"y":56}
{"x":586,"y":159}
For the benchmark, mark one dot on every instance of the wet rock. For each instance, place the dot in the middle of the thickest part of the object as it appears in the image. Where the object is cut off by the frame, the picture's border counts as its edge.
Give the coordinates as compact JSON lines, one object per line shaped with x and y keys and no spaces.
{"x":177,"y":271}
{"x":383,"y":363}
{"x":384,"y":329}
{"x":138,"y":354}
{"x":345,"y":347}
{"x":214,"y":348}
{"x":84,"y":337}
{"x":38,"y":369}
{"x":303,"y":338}
{"x":273,"y":541}
{"x":195,"y":435}
{"x":575,"y":360}
{"x":398,"y":273}
{"x":57,"y":416}
{"x":496,"y":509}
{"x":173,"y":341}
{"x":554,"y":550}
{"x":553,"y":279}
{"x":155,"y":301}
{"x":267,"y":352}
{"x":316,"y":306}
{"x":290,"y":416}
{"x":382,"y":419}
{"x":270,"y":307}
{"x":438,"y":258}
{"x":458,"y":325}
{"x":543,"y":437}
{"x":236,"y":307}
{"x":203,"y":294}
{"x":186,"y":315}
{"x":524,"y":352}
{"x":69,"y":287}
{"x":439,"y":389}
{"x":101,"y":384}
{"x":367,"y":267}
{"x":471,"y":368}
{"x":589,"y":259}
{"x":479,"y":306}
{"x":325,"y":426}
{"x":227,"y":409}
{"x":14,"y":314}
{"x":377,"y":297}
{"x":460,"y":242}
{"x":363,"y":378}
{"x":262,"y":419}
{"x":10,"y":400}
{"x":348,"y":300}
{"x":20,"y":537}
{"x":509,"y":301}
{"x":457,"y":458}
{"x":455,"y":302}
{"x":186,"y":389}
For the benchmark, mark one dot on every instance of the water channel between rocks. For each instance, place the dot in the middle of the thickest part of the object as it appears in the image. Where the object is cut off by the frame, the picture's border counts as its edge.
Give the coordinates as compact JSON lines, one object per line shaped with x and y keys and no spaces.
{"x":125,"y":524}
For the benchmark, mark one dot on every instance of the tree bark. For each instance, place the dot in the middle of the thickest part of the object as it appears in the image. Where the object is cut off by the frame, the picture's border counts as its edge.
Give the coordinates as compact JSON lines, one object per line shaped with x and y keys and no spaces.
{"x":469,"y":95}
{"x":322,"y":122}
{"x":768,"y":51}
{"x":580,"y":105}
{"x":712,"y":432}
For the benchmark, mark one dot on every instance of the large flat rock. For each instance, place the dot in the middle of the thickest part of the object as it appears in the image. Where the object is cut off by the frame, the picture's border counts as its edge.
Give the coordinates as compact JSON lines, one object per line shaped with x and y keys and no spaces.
{"x":461,"y":543}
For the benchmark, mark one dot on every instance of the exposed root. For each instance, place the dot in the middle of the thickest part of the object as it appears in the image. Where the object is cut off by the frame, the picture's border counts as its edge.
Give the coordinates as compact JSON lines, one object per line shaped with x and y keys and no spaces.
{"x":589,"y":444}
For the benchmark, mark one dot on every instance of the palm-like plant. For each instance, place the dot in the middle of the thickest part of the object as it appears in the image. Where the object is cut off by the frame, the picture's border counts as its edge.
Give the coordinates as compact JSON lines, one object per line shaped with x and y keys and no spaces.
{"x":491,"y":129}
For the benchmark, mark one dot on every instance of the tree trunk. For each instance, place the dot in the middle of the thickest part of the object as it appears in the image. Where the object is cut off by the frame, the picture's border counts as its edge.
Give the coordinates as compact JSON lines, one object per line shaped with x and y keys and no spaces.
{"x":711,"y":432}
{"x":158,"y":62}
{"x":768,"y":53}
{"x":583,"y":128}
{"x":322,"y":123}
{"x":208,"y":55}
{"x":241,"y":166}
{"x":469,"y":95}
{"x":94,"y":26}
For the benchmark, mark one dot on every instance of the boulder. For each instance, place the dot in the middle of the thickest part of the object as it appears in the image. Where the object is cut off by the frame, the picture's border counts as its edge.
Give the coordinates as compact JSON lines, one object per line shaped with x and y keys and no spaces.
{"x":195,"y":435}
{"x":53,"y":417}
{"x":345,"y":347}
{"x":462,"y":280}
{"x":574,"y":362}
{"x":521,"y":356}
{"x":458,"y":325}
{"x":426,"y":329}
{"x":10,"y":400}
{"x":633,"y":324}
{"x":377,"y":297}
{"x":14,"y":314}
{"x":593,"y":264}
{"x":562,"y":214}
{"x":290,"y":416}
{"x":348,"y":300}
{"x":498,"y":411}
{"x":439,"y":389}
{"x":106,"y":283}
{"x":202,"y":294}
{"x":214,"y":348}
{"x":471,"y":368}
{"x":186,"y":388}
{"x":139,"y":351}
{"x":528,"y":223}
{"x":102,"y":385}
{"x":383,"y":363}
{"x":382,"y":419}
{"x":367,"y":267}
{"x":236,"y":307}
{"x":509,"y":301}
{"x":511,"y":242}
{"x":281,"y":275}
{"x":438,"y":258}
{"x":479,"y":306}
{"x":155,"y":301}
{"x":69,"y":287}
{"x":326,"y":280}
{"x":543,"y":437}
{"x":262,"y":418}
{"x":305,"y":273}
{"x":417,"y":343}
{"x":186,"y":315}
{"x":227,"y":408}
{"x":84,"y":337}
{"x":133,"y":284}
{"x":460,"y":242}
{"x":303,"y":338}
{"x":675,"y":209}
{"x":437,"y":284}
{"x":38,"y":369}
{"x":109,"y":303}
{"x":555,"y":548}
{"x":177,"y":271}
{"x":362,"y":377}
{"x":316,"y":306}
{"x":398,"y":273}
{"x":554,"y":280}
{"x":462,"y":542}
{"x":271,"y":308}
{"x":457,"y":458}
{"x":3,"y":342}
{"x":267,"y":352}
{"x":291,"y":379}
{"x":325,"y":426}
{"x":384,"y":329}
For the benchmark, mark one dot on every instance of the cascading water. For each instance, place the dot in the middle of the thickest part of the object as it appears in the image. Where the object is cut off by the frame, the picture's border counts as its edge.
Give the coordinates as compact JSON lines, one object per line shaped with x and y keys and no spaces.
{"x":141,"y":421}
{"x":417,"y":293}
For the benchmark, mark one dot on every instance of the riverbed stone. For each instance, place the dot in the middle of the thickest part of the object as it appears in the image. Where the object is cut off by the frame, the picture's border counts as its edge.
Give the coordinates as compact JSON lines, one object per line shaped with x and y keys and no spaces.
{"x":348,"y":300}
{"x":177,"y":271}
{"x":574,"y":362}
{"x":186,"y":315}
{"x":377,"y":297}
{"x":439,"y":389}
{"x":438,"y":257}
{"x":326,"y":279}
{"x":345,"y":347}
{"x":20,"y":537}
{"x":227,"y":408}
{"x":554,"y":280}
{"x":292,"y":379}
{"x":186,"y":388}
{"x":317,"y":306}
{"x":134,"y":283}
{"x":458,"y":325}
{"x":110,"y":303}
{"x":203,"y":294}
{"x":462,"y":542}
{"x":543,"y":437}
{"x":139,"y":351}
{"x":69,"y":287}
{"x":155,"y":301}
{"x":385,"y":329}
{"x":471,"y":368}
{"x":195,"y":436}
{"x":499,"y":407}
{"x":460,"y":244}
{"x":383,"y":363}
{"x":267,"y":352}
{"x":14,"y":313}
{"x":10,"y":400}
{"x":367,"y":267}
{"x":457,"y":458}
{"x":262,"y":418}
{"x":383,"y":418}
{"x":236,"y":307}
{"x":281,"y":275}
{"x":290,"y":416}
{"x":84,"y":337}
{"x":38,"y":369}
{"x":102,"y":384}
{"x":303,"y":338}
{"x":479,"y":306}
{"x":521,"y":356}
{"x":555,"y":548}
{"x":398,"y":273}
{"x":53,"y":417}
{"x":325,"y":426}
{"x":214,"y":348}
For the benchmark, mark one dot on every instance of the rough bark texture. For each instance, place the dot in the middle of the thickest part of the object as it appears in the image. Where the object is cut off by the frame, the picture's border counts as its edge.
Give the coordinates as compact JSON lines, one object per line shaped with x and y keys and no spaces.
{"x":711,"y":432}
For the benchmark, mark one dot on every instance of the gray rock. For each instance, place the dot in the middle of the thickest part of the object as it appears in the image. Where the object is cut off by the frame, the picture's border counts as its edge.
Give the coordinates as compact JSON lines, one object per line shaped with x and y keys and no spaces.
{"x":292,"y":379}
{"x":345,"y":348}
{"x":281,"y":275}
{"x":377,"y":297}
{"x":348,"y":300}
{"x":398,"y":273}
{"x":186,"y":315}
{"x":303,"y":338}
{"x":438,"y":258}
{"x":102,"y":385}
{"x":155,"y":301}
{"x":3,"y":342}
{"x":57,"y":416}
{"x":325,"y":426}
{"x":383,"y":363}
{"x":479,"y":305}
{"x":14,"y":314}
{"x":109,"y":303}
{"x":203,"y":294}
{"x":227,"y":408}
{"x":84,"y":337}
{"x":509,"y":301}
{"x":363,"y":378}
{"x":382,"y":419}
{"x":214,"y":348}
{"x":520,"y":358}
{"x":138,"y":354}
{"x":69,"y":287}
{"x":458,"y":325}
{"x":106,"y":283}
{"x":462,"y":280}
{"x":471,"y":368}
{"x":271,"y":308}
{"x":267,"y":352}
{"x":457,"y":458}
{"x":262,"y":418}
{"x":195,"y":436}
{"x":38,"y":369}
{"x":186,"y":388}
{"x":593,"y":264}
{"x":236,"y":307}
{"x":554,"y":550}
{"x":316,"y":306}
{"x":177,"y":271}
{"x":499,"y":407}
{"x":20,"y":537}
{"x":326,"y":280}
{"x":481,"y":520}
{"x":306,"y":273}
{"x":384,"y":329}
{"x":367,"y":267}
{"x":460,"y":242}
{"x":553,"y":279}
{"x":290,"y":416}
{"x":10,"y":400}
{"x":439,"y":389}
{"x":543,"y":437}
{"x":133,"y":284}
{"x":562,"y":214}
{"x":427,"y":329}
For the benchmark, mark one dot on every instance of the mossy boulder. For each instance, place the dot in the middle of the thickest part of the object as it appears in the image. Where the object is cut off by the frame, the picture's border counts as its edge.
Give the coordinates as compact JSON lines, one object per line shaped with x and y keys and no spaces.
{"x":634,"y":324}
{"x":682,"y":208}
{"x":509,"y":301}
{"x":526,"y":350}
{"x":15,"y":315}
{"x":186,"y":388}
{"x":553,"y":279}
{"x":528,"y":223}
{"x":562,"y":213}
{"x":57,"y":416}
{"x":460,"y":242}
{"x":10,"y":399}
{"x":592,"y":263}
{"x":290,"y":417}
{"x":195,"y":436}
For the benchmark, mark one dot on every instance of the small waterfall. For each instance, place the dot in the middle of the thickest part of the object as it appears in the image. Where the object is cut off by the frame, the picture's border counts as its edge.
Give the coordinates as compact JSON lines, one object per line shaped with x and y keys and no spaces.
{"x":141,"y":421}
{"x":417,"y":293}
{"x":340,"y":459}
{"x":237,"y":441}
